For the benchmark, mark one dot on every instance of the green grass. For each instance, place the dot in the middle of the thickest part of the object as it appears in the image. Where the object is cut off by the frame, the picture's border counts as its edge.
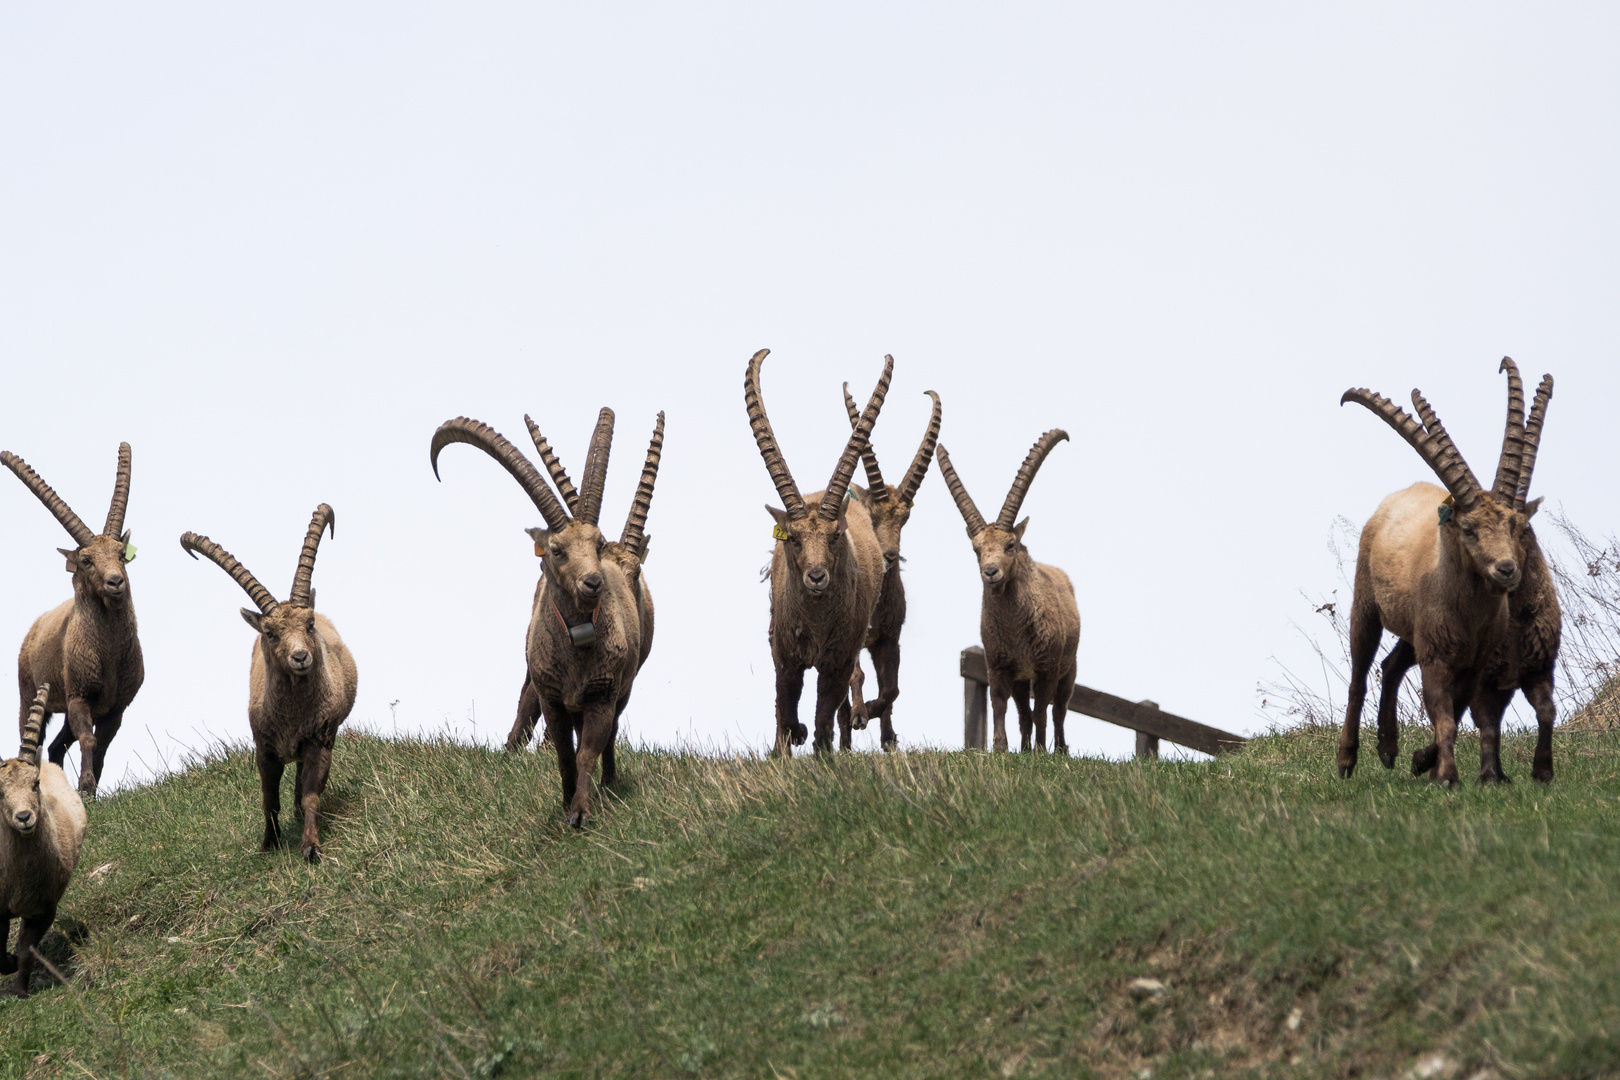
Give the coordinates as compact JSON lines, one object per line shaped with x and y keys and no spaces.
{"x":927,"y":914}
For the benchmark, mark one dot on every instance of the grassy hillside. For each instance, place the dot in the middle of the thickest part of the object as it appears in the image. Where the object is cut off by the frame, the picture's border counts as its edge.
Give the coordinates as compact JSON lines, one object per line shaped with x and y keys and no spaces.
{"x":928,"y":914}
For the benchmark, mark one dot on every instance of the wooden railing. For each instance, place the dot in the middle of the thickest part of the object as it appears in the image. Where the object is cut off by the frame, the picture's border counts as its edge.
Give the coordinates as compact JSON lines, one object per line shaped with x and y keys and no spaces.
{"x":1150,"y":722}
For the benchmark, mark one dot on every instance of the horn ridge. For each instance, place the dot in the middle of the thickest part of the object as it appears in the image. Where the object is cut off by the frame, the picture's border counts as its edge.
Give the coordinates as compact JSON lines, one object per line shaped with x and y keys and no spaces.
{"x":765,"y":439}
{"x":1532,"y":440}
{"x":1507,"y":468}
{"x":832,"y":498}
{"x":1026,"y":475}
{"x":476,"y":433}
{"x":559,"y":475}
{"x":874,"y":476}
{"x":594,"y":480}
{"x":34,"y":727}
{"x":120,"y":496}
{"x":1451,"y":458}
{"x":634,"y":536}
{"x":324,"y":518}
{"x":53,"y":502}
{"x":925,"y":453}
{"x":195,"y":542}
{"x":1410,"y":430}
{"x":964,"y":501}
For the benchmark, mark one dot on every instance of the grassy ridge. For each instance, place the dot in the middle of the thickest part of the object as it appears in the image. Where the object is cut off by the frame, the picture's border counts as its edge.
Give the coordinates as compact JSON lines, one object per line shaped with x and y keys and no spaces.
{"x":927,"y":914}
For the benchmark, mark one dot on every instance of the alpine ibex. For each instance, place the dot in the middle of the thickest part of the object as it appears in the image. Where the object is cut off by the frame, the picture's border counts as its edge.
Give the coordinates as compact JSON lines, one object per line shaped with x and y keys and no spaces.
{"x":1028,"y":619}
{"x":87,"y":649}
{"x":890,"y":509}
{"x":528,"y":710}
{"x":826,"y":573}
{"x":1434,"y":568}
{"x":301,"y":684}
{"x":39,"y":847}
{"x":1529,"y":651}
{"x":584,"y":641}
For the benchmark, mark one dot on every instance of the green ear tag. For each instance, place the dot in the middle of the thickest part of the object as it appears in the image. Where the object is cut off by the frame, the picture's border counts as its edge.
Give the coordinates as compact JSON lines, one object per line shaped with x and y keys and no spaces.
{"x":1445,"y":514}
{"x":778,"y":533}
{"x":129,"y":553}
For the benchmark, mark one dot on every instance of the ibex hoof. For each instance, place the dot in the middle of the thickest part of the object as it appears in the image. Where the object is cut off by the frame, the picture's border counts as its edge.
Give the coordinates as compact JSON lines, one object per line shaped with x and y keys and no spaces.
{"x":800,"y":733}
{"x":1346,"y":771}
{"x":1491,"y":778}
{"x":576,"y":819}
{"x":1425,"y":759}
{"x":1386,"y":758}
{"x":312,"y":853}
{"x":1542,"y":774}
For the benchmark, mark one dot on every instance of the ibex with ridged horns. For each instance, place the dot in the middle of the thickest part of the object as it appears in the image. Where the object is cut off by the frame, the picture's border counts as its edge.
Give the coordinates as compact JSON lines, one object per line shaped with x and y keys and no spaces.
{"x":584,"y":641}
{"x":1528,"y":654}
{"x":1029,"y":621}
{"x":890,"y":509}
{"x":629,"y":551}
{"x":1434,"y":568}
{"x":301,"y":683}
{"x":826,"y":573}
{"x":87,"y":649}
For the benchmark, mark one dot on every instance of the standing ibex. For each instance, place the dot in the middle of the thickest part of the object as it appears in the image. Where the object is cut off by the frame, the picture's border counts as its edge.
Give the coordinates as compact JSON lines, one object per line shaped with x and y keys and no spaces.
{"x":629,"y":551}
{"x":301,"y":684}
{"x":1028,"y":619}
{"x":890,"y":509}
{"x":584,"y":641}
{"x":1529,"y":651}
{"x":1434,"y":568}
{"x":826,"y":572}
{"x":86,"y":649}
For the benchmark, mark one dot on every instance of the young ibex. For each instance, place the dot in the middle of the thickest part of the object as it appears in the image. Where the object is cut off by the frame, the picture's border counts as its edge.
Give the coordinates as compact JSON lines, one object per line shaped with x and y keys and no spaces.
{"x":86,"y":649}
{"x":1529,"y":651}
{"x":1434,"y":568}
{"x":890,"y":509}
{"x":629,"y":551}
{"x":826,"y":573}
{"x":39,"y":847}
{"x":1028,"y":619}
{"x":301,"y":684}
{"x":584,"y":641}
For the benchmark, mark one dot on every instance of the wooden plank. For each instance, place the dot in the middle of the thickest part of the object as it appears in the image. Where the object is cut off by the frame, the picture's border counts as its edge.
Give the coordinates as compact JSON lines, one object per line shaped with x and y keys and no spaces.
{"x":1136,"y":716}
{"x":975,"y":710}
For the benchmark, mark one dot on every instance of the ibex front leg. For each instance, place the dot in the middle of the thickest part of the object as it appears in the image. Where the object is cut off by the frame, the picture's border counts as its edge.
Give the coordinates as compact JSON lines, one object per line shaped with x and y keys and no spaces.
{"x":82,"y":727}
{"x":312,"y":774}
{"x":594,"y":737}
{"x":270,"y":771}
{"x":789,"y":688}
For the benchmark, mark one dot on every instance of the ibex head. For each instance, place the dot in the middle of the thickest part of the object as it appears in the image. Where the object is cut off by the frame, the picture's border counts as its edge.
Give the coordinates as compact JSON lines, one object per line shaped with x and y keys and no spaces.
{"x":1485,"y":529}
{"x":1000,"y":546}
{"x":19,"y":777}
{"x":811,"y":541}
{"x":891,"y":507}
{"x":286,"y":631}
{"x":97,"y":562}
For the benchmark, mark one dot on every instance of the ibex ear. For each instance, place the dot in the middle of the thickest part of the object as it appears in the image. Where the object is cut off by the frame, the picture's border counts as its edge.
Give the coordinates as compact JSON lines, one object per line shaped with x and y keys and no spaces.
{"x":778,"y":515}
{"x":843,"y":516}
{"x":1532,"y":506}
{"x":253,"y":619}
{"x":72,"y":558}
{"x":540,"y":537}
{"x":646,"y":543}
{"x":1018,"y":529}
{"x":312,"y":599}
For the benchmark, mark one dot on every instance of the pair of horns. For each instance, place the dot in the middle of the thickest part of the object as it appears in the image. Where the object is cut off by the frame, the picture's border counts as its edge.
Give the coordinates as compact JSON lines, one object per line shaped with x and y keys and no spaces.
{"x":919,"y":464}
{"x":324,"y":519}
{"x":859,"y":440}
{"x":1521,"y":439}
{"x":34,"y":727}
{"x":1429,"y":438}
{"x":586,"y":503}
{"x":61,"y":511}
{"x":1015,"y":496}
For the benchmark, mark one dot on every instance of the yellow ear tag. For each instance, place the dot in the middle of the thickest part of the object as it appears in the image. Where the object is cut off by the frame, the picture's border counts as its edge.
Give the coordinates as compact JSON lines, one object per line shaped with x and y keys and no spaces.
{"x":778,"y":533}
{"x":538,"y":550}
{"x":129,"y":553}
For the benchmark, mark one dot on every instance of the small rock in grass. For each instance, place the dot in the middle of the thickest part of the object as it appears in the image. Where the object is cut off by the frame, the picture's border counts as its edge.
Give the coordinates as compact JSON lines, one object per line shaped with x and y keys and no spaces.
{"x":1431,"y":1066}
{"x":1146,"y":989}
{"x":102,"y":870}
{"x":1295,"y":1018}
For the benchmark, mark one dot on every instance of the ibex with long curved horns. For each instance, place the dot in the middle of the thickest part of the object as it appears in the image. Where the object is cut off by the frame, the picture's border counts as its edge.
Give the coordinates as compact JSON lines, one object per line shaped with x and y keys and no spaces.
{"x":629,"y":551}
{"x":301,"y":684}
{"x":1028,"y":619}
{"x":1434,"y":567}
{"x":584,"y":642}
{"x":1529,"y":651}
{"x":87,"y":649}
{"x":826,"y":573}
{"x":890,"y":509}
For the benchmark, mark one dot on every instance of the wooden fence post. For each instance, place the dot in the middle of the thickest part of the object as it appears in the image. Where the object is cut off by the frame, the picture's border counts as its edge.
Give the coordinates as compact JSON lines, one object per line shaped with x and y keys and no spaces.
{"x":975,"y":702}
{"x":1147,"y":746}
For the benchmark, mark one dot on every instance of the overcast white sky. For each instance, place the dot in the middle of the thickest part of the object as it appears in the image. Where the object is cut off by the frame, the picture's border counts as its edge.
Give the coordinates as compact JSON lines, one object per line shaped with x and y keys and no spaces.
{"x":273,"y":248}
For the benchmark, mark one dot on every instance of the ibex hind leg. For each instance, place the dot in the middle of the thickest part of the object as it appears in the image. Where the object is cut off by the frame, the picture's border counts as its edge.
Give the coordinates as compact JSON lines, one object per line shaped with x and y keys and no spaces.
{"x":1365,"y":630}
{"x":886,"y":660}
{"x":1399,"y":661}
{"x":1539,"y":692}
{"x":528,"y":717}
{"x":1060,"y":709}
{"x":28,"y":937}
{"x":1026,"y":715}
{"x":1488,"y":706}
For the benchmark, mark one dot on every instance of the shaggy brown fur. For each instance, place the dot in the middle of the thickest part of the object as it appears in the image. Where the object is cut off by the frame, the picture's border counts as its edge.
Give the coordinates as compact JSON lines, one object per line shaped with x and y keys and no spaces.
{"x":582,"y":685}
{"x":302,"y":683}
{"x":1436,"y":572}
{"x":1029,"y":621}
{"x":87,"y":649}
{"x":826,"y":572}
{"x":890,"y":509}
{"x":39,"y":845}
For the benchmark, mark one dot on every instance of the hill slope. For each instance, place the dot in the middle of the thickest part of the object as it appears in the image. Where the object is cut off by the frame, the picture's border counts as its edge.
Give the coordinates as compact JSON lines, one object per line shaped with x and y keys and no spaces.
{"x":926,"y":914}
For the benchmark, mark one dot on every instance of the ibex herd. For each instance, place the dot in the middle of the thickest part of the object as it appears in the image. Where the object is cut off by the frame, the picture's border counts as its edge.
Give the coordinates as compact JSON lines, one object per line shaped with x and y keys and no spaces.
{"x":1455,"y":573}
